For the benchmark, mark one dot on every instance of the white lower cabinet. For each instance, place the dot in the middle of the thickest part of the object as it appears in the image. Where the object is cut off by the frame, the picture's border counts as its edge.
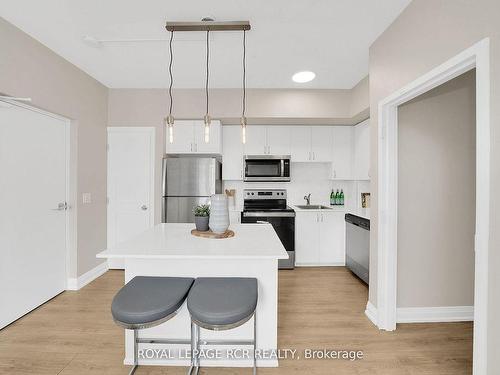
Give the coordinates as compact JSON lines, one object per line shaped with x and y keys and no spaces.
{"x":319,"y":238}
{"x":306,"y":238}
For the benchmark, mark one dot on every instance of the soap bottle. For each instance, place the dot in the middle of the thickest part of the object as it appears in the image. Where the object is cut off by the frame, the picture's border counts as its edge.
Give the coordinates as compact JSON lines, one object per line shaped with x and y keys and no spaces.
{"x":341,"y":197}
{"x":337,"y":198}
{"x":331,"y":198}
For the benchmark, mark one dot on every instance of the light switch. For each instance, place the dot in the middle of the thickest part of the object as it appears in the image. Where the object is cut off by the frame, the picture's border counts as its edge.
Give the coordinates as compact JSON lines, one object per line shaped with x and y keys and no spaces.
{"x":86,"y":198}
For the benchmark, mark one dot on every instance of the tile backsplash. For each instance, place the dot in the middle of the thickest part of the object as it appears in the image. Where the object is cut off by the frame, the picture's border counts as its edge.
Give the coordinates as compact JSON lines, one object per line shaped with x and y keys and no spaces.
{"x":307,"y":178}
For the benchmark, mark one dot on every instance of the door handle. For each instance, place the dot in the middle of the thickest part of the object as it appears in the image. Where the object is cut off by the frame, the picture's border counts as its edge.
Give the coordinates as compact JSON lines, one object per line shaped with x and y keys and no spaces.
{"x":144,"y":207}
{"x":62,"y":206}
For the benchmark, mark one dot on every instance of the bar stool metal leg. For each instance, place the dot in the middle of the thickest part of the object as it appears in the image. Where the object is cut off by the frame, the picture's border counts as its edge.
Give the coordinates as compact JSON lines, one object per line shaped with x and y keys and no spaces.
{"x":255,"y":343}
{"x":136,"y":359}
{"x":197,"y":334}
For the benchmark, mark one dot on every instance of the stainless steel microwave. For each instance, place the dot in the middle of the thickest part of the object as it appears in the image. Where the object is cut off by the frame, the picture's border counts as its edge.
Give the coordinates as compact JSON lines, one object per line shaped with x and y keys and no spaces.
{"x":267,"y":168}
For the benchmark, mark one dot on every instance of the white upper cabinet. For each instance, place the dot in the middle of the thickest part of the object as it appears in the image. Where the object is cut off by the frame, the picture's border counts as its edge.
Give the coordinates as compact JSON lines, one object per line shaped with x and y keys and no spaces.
{"x":342,"y":153}
{"x":183,"y":132}
{"x":214,"y":144}
{"x":267,"y":140}
{"x":232,"y":153}
{"x":278,"y":140}
{"x":362,"y":151}
{"x":311,"y":143}
{"x":255,"y":140}
{"x":300,"y":143}
{"x":189,"y":138}
{"x":321,"y":143}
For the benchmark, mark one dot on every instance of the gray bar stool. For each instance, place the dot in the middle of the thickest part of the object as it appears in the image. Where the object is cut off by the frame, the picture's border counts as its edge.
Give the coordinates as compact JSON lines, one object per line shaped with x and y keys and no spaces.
{"x":218,"y":304}
{"x":145,"y":302}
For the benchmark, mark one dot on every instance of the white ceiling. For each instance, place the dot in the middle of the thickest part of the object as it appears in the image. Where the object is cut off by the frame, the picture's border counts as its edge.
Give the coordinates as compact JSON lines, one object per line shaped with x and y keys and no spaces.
{"x":329,"y":37}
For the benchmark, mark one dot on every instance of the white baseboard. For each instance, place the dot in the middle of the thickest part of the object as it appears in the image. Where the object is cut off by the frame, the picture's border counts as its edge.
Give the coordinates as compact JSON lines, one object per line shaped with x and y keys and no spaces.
{"x":116,"y":263}
{"x":435,"y":314}
{"x":87,"y":277}
{"x":333,"y":264}
{"x":371,"y":313}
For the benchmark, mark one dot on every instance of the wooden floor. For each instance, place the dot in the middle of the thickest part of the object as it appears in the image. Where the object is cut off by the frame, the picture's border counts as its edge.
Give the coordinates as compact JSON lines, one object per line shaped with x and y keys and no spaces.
{"x":318,"y":308}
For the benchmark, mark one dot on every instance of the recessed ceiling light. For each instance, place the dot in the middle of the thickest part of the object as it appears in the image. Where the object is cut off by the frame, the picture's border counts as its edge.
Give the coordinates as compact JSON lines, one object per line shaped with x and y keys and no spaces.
{"x":303,"y":77}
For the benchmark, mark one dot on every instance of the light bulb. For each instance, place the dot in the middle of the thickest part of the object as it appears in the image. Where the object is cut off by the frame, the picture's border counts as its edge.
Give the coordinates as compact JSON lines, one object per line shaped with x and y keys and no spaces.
{"x":207,"y":121}
{"x":169,"y":122}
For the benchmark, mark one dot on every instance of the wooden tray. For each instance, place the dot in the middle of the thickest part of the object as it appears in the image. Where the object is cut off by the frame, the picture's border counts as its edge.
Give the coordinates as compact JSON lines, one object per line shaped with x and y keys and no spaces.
{"x":209,"y":234}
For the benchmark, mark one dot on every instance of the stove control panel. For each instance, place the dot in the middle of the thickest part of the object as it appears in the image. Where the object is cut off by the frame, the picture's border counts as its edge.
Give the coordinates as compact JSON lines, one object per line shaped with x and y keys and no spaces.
{"x":249,"y":194}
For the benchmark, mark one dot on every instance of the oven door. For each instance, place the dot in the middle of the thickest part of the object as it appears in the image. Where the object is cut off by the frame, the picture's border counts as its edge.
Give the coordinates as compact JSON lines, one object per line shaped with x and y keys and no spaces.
{"x":284,"y":225}
{"x":267,"y":168}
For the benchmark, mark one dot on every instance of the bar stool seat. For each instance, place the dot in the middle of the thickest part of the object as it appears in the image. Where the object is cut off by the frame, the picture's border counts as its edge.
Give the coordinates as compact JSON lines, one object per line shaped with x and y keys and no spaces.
{"x":222,"y":301}
{"x":146,"y":300}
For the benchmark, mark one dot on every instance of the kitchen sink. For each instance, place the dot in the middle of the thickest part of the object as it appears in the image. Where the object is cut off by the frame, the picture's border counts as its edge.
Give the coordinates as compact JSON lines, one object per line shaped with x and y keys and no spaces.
{"x":313,"y":207}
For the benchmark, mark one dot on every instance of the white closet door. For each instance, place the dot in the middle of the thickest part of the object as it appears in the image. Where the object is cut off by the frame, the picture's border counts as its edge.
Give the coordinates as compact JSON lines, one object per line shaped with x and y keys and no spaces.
{"x":130,"y":184}
{"x":32,"y":228}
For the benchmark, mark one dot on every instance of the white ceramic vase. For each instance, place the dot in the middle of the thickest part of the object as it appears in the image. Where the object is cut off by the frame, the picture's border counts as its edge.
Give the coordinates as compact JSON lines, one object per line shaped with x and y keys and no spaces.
{"x":219,"y":214}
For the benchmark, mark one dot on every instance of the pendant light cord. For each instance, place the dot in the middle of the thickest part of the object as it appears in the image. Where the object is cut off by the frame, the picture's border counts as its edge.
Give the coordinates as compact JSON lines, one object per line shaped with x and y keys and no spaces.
{"x":170,"y":73}
{"x":206,"y":82}
{"x":244,"y":73}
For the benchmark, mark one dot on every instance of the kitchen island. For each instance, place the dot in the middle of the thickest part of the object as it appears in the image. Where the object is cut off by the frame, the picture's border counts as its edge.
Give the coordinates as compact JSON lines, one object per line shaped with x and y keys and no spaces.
{"x":169,"y":249}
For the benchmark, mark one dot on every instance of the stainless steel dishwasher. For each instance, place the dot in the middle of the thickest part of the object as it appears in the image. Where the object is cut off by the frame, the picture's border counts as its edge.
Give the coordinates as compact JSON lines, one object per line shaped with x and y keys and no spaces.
{"x":358,"y":245}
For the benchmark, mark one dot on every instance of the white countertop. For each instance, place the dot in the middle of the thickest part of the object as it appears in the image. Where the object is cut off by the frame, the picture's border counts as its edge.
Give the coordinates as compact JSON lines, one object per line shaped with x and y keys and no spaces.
{"x":361,"y":212}
{"x":329,"y":209}
{"x":174,"y":241}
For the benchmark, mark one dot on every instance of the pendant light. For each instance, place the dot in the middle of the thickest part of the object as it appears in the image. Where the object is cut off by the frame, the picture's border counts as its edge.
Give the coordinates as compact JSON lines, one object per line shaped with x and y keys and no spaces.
{"x":243,"y":119}
{"x":169,"y":120}
{"x":206,"y":119}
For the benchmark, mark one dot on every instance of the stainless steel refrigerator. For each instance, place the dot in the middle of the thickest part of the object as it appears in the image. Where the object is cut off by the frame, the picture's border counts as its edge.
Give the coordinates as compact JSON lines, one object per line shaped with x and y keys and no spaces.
{"x":188,"y":181}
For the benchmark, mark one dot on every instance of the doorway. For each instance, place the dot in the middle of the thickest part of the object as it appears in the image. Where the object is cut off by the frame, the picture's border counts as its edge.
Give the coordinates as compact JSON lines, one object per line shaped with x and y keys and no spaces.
{"x":34,"y":190}
{"x":477,"y":56}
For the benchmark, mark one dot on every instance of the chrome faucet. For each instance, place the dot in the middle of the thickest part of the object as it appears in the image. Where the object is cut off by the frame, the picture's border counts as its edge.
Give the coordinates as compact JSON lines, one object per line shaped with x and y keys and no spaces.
{"x":308,"y":199}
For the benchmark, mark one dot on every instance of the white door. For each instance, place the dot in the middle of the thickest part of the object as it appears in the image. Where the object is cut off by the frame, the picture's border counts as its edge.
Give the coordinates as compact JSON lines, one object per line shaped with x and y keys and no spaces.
{"x":278,"y":140}
{"x":256,"y":143}
{"x":232,"y":153}
{"x":32,"y":213}
{"x":300,"y":143}
{"x":183,"y":138}
{"x":130,"y":183}
{"x":321,"y":143}
{"x":307,"y":238}
{"x":342,"y":152}
{"x":213,"y":145}
{"x":331,"y":239}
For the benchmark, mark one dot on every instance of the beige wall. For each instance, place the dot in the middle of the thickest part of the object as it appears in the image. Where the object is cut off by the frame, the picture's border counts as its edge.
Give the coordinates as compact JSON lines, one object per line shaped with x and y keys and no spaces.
{"x":426,"y":34}
{"x":360,"y":99}
{"x":29,"y":69}
{"x":436,"y":202}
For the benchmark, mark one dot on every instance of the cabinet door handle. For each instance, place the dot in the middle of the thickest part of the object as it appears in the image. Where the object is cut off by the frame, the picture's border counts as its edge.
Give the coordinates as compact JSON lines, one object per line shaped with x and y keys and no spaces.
{"x":321,"y":217}
{"x":309,"y":155}
{"x":314,"y":156}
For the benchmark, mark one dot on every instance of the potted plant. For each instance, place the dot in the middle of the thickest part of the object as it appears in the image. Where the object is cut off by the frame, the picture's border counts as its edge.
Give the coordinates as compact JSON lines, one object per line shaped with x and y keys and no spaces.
{"x":201,"y":214}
